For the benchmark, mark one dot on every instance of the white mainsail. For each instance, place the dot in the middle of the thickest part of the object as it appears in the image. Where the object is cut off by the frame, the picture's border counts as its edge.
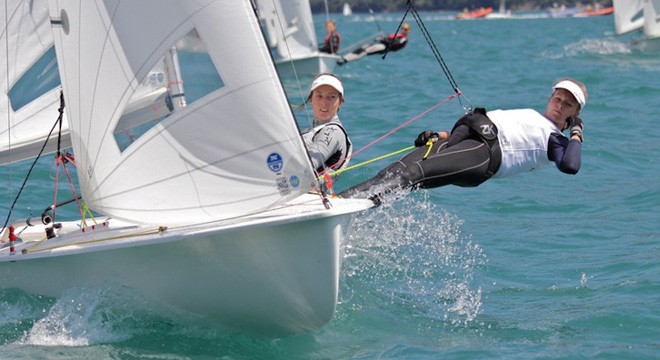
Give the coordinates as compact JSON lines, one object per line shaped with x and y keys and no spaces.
{"x":30,"y":95}
{"x":628,"y":15}
{"x":289,"y":29}
{"x":652,"y":19}
{"x":212,"y":159}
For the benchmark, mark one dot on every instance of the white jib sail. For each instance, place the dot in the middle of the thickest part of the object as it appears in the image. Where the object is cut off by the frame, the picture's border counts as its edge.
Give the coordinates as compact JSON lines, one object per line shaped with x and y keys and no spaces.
{"x":30,"y":82}
{"x":234,"y":149}
{"x":628,"y":15}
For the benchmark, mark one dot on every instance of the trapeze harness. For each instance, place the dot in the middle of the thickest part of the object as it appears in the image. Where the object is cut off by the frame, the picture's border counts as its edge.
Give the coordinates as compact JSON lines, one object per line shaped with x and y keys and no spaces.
{"x":331,"y":43}
{"x":396,"y":42}
{"x":338,"y":160}
{"x":484,"y":129}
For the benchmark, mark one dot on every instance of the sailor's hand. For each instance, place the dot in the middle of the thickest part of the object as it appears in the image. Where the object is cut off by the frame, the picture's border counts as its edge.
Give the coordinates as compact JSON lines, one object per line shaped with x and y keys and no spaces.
{"x":425,"y":136}
{"x":576,"y":125}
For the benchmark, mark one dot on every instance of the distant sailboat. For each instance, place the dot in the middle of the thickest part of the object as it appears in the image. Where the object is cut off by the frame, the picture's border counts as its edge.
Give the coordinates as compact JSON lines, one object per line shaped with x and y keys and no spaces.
{"x":628,"y":15}
{"x":203,"y":200}
{"x":502,"y":12}
{"x":652,"y":19}
{"x":346,"y":10}
{"x":642,"y":16}
{"x":291,"y":36}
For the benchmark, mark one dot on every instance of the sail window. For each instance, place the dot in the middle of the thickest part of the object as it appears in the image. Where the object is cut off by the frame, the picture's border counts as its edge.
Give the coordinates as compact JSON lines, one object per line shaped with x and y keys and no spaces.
{"x":40,"y":78}
{"x":182,"y":76}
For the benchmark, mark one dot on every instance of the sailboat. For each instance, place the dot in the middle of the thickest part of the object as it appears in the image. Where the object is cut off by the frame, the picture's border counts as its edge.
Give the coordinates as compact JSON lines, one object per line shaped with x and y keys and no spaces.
{"x":502,"y":12}
{"x":203,"y":200}
{"x":628,"y":15}
{"x":346,"y":9}
{"x":289,"y":28}
{"x":652,"y":20}
{"x":642,"y":16}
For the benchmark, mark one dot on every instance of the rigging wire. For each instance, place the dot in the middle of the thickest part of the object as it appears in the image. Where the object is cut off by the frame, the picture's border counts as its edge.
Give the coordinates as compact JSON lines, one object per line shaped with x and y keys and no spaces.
{"x":445,"y":69}
{"x":436,"y":52}
{"x":6,"y":31}
{"x":58,"y":121}
{"x":404,"y":124}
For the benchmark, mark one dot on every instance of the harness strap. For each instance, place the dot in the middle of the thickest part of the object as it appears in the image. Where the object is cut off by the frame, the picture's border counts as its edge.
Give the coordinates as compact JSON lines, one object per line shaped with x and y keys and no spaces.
{"x":486,"y":131}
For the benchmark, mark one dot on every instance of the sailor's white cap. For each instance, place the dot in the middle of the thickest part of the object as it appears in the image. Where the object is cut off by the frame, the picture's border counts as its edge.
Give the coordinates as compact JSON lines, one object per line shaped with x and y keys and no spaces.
{"x":327,"y":79}
{"x":574,"y":89}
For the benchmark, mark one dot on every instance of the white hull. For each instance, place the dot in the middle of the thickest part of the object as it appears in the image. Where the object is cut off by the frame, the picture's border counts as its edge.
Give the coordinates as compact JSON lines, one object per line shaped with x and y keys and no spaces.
{"x":307,"y":66}
{"x":274,"y":271}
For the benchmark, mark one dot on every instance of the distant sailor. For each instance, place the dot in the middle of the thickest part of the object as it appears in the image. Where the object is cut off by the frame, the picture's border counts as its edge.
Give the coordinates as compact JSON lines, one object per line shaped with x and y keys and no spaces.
{"x":393,"y":42}
{"x":484,"y":144}
{"x":332,"y":39}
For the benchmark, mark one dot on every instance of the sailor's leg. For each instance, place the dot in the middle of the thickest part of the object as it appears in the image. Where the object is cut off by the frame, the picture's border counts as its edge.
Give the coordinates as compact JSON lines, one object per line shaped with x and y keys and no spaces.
{"x":463,"y":164}
{"x":401,"y":174}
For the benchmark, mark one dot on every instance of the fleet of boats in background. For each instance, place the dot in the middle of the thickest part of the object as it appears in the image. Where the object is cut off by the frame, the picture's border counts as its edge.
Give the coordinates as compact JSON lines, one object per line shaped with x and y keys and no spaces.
{"x":639,"y":18}
{"x":558,"y":11}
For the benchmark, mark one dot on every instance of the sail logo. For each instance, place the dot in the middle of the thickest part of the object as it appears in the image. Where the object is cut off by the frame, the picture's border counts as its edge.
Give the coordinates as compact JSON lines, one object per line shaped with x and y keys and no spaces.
{"x":275,"y":162}
{"x":294,"y":181}
{"x":283,"y":186}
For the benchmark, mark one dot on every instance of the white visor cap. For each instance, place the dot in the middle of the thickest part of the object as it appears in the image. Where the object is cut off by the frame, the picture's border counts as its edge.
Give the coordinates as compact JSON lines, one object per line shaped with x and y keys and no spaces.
{"x":327,"y":80}
{"x":574,"y":89}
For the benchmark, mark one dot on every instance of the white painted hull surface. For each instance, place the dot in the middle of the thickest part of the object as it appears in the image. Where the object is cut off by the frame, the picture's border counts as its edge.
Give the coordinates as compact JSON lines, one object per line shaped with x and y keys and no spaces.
{"x":275,"y":272}
{"x":307,"y":66}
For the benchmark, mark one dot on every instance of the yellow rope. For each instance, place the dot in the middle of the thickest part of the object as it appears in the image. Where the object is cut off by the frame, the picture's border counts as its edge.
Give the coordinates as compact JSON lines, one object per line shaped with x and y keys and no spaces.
{"x":430,"y":145}
{"x":374,"y":159}
{"x":85,"y":210}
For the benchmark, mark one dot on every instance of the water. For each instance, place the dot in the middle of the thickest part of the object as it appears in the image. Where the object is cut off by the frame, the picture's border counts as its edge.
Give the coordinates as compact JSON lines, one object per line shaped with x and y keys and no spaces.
{"x":538,"y":266}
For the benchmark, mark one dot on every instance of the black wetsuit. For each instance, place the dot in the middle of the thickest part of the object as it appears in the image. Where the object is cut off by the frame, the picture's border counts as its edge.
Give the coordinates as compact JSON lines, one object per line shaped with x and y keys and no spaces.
{"x":463,"y":160}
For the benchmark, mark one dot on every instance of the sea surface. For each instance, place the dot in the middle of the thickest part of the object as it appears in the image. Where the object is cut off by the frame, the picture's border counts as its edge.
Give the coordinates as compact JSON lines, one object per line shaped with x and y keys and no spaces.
{"x":539,"y":266}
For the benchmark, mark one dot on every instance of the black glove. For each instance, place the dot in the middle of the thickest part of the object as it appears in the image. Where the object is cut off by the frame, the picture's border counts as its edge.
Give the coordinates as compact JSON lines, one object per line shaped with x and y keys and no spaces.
{"x":576,"y":126}
{"x":425,"y":136}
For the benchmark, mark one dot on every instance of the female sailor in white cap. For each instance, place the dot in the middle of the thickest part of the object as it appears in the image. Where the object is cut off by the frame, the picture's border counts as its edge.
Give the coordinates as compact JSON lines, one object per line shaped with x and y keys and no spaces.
{"x":494,"y":144}
{"x":327,"y":142}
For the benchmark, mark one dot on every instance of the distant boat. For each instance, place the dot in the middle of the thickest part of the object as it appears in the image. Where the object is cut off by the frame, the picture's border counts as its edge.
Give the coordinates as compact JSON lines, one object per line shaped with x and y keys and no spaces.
{"x":563,"y":11}
{"x":628,"y":15}
{"x":291,"y":37}
{"x":346,"y":10}
{"x":595,"y":12}
{"x":642,"y":16}
{"x":475,"y":14}
{"x":652,"y":19}
{"x":502,"y":12}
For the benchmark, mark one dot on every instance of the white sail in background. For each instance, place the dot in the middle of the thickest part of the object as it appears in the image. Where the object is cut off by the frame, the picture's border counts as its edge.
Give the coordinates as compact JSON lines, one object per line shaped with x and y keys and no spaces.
{"x":291,"y":37}
{"x":346,"y":10}
{"x":628,"y":15}
{"x":289,"y":27}
{"x":652,"y":18}
{"x":30,"y":82}
{"x":210,"y":160}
